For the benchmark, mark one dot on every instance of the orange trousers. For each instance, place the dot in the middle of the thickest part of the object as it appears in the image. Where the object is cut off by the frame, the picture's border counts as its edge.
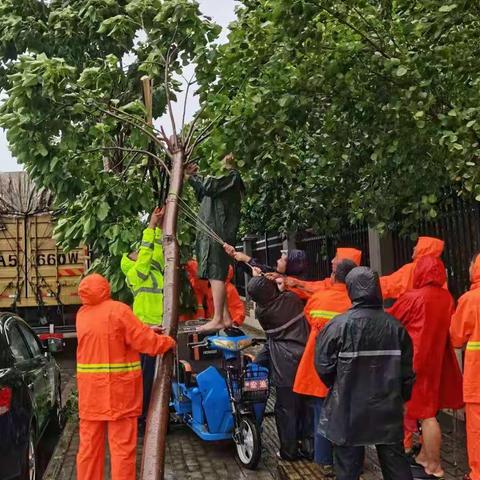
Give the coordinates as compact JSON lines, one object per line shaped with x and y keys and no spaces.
{"x":122,"y":441}
{"x":472,"y":411}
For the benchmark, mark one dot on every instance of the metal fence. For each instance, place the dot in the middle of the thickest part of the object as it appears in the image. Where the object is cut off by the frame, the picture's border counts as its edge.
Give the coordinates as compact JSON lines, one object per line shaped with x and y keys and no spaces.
{"x":458,"y":224}
{"x":321,"y":249}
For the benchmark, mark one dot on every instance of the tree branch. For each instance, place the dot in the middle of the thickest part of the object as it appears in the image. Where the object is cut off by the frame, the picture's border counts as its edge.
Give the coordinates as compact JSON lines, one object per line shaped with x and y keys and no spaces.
{"x":167,"y":95}
{"x":204,"y":133}
{"x":355,"y":29}
{"x":132,"y":150}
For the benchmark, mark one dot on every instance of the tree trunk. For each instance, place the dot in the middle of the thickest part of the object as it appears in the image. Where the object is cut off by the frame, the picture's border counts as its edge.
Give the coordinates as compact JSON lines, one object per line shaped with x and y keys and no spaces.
{"x":153,"y":458}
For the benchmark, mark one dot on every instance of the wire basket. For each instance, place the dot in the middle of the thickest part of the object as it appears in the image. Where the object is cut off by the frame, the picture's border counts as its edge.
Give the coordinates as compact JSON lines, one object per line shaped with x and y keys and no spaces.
{"x":254,"y":384}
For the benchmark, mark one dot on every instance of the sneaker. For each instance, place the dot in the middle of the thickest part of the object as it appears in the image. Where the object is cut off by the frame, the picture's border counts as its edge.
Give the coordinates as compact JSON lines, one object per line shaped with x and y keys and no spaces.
{"x":327,"y":471}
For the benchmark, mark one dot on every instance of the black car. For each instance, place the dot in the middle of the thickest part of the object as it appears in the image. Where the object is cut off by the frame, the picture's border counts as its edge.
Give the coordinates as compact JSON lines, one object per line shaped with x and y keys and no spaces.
{"x":30,"y":396}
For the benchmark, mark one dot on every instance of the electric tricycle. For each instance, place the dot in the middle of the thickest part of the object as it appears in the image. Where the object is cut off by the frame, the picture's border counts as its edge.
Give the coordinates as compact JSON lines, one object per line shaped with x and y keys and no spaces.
{"x":224,"y":401}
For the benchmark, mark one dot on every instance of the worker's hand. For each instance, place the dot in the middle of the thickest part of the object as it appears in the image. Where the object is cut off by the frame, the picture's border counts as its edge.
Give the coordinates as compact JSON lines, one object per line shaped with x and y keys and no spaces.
{"x":171,"y":343}
{"x":158,"y":329}
{"x":229,"y":250}
{"x":289,"y":282}
{"x":191,"y":169}
{"x":241,"y":257}
{"x":156,"y":219}
{"x":256,"y":272}
{"x":273,"y":275}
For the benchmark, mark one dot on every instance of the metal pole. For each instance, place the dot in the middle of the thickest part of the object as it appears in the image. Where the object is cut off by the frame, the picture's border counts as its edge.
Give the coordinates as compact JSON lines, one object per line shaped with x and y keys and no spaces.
{"x":153,"y":458}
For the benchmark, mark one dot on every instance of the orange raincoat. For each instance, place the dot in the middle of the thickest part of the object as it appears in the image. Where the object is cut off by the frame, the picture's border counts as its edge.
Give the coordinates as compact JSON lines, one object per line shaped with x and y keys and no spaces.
{"x":401,"y":281}
{"x":465,"y":331}
{"x":109,"y":379}
{"x":322,"y":307}
{"x":305,"y":289}
{"x":200,"y":288}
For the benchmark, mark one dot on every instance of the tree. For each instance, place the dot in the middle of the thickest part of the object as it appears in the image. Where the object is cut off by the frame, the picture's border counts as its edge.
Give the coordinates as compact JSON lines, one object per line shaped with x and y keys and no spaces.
{"x":74,"y":107}
{"x":351,"y":110}
{"x":77,"y":121}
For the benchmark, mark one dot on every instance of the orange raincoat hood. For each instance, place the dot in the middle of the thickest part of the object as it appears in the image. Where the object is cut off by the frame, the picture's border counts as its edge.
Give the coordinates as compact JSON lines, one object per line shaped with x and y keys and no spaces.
{"x":94,"y":289}
{"x":349,"y":254}
{"x":428,"y":246}
{"x":475,"y":275}
{"x":430,"y":270}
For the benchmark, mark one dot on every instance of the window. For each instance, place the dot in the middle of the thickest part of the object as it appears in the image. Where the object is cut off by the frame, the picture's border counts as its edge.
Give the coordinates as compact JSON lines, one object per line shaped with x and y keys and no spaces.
{"x":31,"y":339}
{"x":17,"y":343}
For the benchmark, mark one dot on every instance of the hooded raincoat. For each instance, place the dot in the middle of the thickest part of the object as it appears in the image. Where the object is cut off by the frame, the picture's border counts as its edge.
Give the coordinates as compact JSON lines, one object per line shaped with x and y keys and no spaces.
{"x":281,"y":316}
{"x":465,"y":332}
{"x":425,"y":311}
{"x":109,"y":379}
{"x":220,"y":204}
{"x":365,"y":357}
{"x":108,"y":364}
{"x":401,"y":281}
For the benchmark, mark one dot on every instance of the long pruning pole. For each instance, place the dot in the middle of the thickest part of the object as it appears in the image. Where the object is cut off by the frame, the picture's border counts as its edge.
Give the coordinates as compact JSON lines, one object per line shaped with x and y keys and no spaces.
{"x":153,"y":458}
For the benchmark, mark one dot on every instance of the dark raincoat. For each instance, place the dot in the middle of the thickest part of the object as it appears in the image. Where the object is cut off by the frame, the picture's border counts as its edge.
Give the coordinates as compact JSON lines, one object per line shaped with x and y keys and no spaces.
{"x":281,"y":316}
{"x":425,"y":312}
{"x":365,"y":357}
{"x":220,"y":202}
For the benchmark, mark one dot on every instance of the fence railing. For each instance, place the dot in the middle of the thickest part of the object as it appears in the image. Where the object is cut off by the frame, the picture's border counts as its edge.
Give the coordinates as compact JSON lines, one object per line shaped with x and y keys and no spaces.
{"x":458,"y":224}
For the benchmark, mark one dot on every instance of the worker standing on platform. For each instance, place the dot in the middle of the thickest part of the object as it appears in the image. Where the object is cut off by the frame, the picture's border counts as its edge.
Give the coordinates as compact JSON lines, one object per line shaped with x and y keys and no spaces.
{"x":144,"y":274}
{"x":220,"y":201}
{"x":365,"y":357}
{"x":109,"y":379}
{"x":465,"y":332}
{"x":324,"y":305}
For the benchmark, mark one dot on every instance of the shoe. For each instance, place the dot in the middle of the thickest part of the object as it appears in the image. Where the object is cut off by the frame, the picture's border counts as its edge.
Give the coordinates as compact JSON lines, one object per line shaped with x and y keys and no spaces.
{"x":286,"y":459}
{"x":327,"y":471}
{"x":419,"y":473}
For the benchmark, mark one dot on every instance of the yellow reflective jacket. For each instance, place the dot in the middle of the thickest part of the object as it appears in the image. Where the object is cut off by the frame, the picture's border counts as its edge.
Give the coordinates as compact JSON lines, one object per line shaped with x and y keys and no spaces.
{"x":145,"y":277}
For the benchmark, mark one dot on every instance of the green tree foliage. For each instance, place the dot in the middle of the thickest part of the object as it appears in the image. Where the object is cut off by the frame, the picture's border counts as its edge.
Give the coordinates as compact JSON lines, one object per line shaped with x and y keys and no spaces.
{"x":350,"y":110}
{"x":66,"y":66}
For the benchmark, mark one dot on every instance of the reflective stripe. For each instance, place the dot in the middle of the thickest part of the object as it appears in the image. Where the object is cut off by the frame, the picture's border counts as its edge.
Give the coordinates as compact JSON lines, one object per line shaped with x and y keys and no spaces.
{"x":141,"y":275}
{"x":108,"y":367}
{"x":147,"y":290}
{"x":473,"y":346}
{"x":371,"y":353}
{"x":323,"y":314}
{"x":158,"y":241}
{"x":156,"y":265}
{"x":147,"y":244}
{"x":154,"y":280}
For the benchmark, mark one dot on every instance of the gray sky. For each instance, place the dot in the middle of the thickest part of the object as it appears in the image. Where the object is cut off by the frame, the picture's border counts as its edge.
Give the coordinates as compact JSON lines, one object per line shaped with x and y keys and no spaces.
{"x":221,"y":11}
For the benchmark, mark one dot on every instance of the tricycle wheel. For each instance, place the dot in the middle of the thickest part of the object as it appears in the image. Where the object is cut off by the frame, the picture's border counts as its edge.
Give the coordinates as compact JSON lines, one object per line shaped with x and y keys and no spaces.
{"x":248,"y":443}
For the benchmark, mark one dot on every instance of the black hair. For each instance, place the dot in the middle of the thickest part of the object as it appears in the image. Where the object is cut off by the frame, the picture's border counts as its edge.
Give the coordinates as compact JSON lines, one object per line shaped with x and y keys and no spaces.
{"x":343,"y":269}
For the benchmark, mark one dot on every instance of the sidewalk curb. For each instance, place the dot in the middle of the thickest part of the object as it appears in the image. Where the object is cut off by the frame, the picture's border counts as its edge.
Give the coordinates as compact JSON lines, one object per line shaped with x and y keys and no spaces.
{"x":55,"y":464}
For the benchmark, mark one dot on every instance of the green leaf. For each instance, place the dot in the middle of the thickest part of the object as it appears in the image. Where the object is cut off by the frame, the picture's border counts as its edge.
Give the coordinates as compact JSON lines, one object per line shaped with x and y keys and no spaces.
{"x":103,"y":210}
{"x":401,"y":71}
{"x":447,"y":8}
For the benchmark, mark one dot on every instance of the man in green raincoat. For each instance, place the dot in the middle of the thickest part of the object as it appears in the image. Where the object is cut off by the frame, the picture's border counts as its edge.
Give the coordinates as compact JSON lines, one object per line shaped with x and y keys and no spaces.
{"x":220,"y":202}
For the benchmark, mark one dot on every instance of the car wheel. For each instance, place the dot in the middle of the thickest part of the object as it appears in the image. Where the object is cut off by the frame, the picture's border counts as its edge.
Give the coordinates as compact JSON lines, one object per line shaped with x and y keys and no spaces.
{"x":58,"y":413}
{"x":29,"y":467}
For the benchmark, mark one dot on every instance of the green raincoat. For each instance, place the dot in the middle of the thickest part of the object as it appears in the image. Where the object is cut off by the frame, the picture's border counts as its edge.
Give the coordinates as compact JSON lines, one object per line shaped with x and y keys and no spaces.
{"x":145,"y":277}
{"x":220,"y":201}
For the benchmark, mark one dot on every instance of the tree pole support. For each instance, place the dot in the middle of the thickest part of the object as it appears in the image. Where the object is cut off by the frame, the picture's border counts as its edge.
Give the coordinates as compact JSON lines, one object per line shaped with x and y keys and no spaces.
{"x":154,"y":445}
